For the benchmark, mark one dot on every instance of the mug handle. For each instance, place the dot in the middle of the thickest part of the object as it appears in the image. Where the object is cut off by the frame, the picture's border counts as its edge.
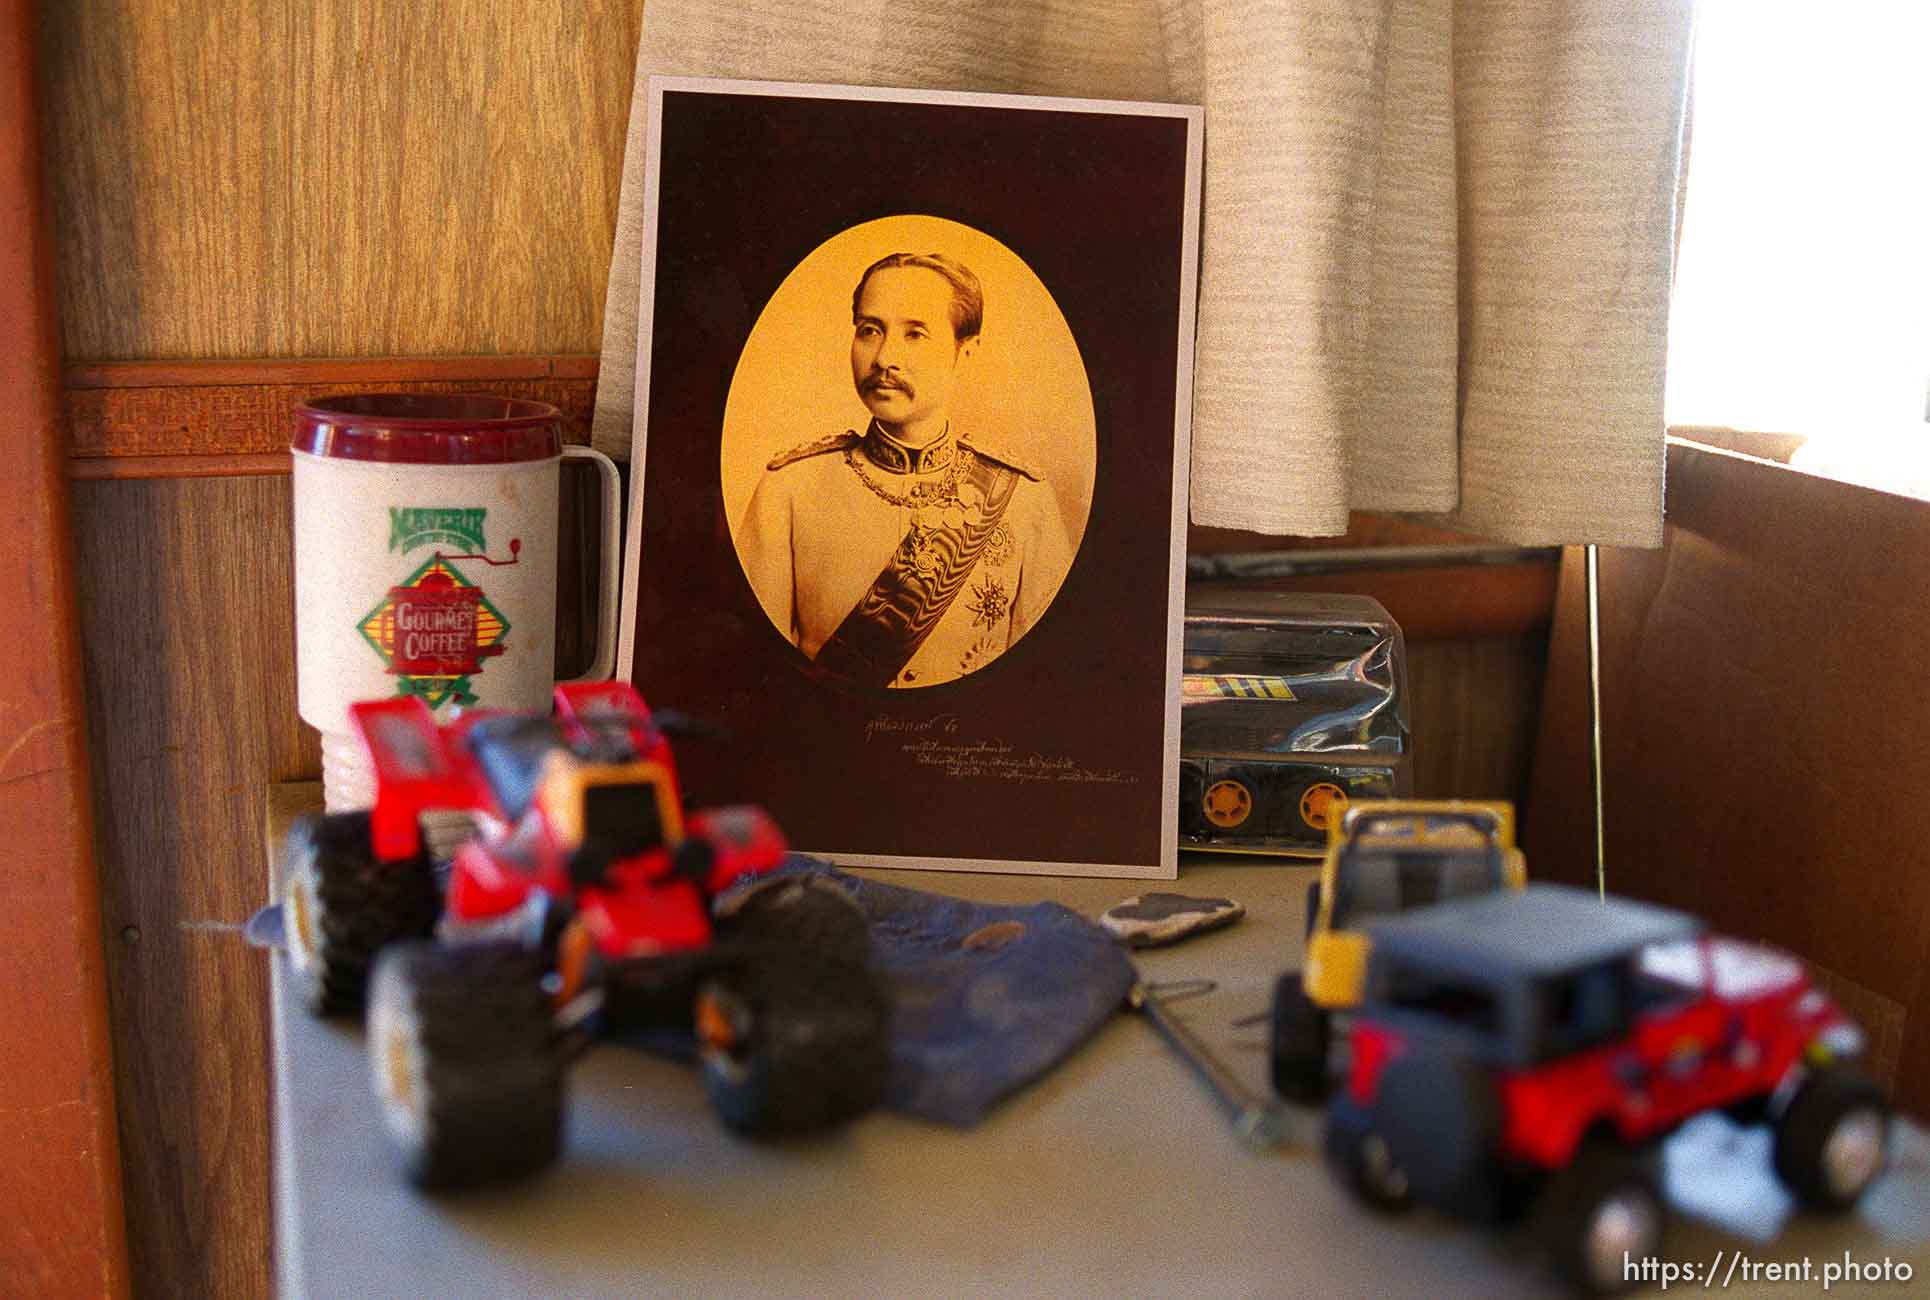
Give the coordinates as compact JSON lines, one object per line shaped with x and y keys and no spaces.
{"x":605,"y":662}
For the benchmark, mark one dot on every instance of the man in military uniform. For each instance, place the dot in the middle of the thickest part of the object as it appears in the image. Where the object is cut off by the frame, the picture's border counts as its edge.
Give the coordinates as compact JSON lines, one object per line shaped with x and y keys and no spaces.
{"x":911,"y":553}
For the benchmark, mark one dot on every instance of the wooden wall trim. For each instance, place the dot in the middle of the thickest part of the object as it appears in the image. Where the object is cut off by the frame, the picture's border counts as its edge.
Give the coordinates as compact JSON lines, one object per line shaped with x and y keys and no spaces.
{"x":60,"y":1168}
{"x":186,"y":419}
{"x":340,"y":370}
{"x":246,"y":465}
{"x":1452,"y":602}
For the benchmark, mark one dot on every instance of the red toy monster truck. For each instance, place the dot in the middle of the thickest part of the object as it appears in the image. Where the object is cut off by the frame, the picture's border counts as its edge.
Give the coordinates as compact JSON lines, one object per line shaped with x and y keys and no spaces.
{"x":1528,"y":1050}
{"x":587,"y":903}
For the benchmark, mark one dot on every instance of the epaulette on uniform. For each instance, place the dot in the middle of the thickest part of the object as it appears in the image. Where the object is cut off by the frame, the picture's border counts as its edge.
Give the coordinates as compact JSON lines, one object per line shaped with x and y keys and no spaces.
{"x":980,"y":450}
{"x":804,"y":451}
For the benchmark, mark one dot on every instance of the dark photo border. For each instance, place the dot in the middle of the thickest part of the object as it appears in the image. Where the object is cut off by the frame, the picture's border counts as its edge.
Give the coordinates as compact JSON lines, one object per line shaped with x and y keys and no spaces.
{"x":1059,"y":757}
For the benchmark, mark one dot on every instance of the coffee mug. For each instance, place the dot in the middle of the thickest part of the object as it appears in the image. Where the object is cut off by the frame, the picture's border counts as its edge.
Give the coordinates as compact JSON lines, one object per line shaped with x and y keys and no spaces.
{"x":425,"y":561}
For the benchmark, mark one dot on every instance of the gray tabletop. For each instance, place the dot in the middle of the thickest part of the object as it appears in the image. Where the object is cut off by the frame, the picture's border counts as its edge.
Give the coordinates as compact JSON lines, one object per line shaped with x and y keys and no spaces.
{"x":1115,"y":1174}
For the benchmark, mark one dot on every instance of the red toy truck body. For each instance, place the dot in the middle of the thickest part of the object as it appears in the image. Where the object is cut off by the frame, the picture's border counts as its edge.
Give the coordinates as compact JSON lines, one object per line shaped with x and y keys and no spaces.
{"x":586,"y":900}
{"x":1532,"y":1048}
{"x":541,"y":786}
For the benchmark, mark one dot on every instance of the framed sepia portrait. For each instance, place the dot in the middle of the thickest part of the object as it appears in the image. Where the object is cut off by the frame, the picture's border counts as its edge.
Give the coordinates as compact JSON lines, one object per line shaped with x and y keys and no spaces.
{"x":909,"y":475}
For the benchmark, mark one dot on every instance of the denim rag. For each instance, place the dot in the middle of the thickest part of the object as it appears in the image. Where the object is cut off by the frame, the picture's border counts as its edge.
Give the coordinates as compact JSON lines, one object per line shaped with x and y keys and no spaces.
{"x":985,"y":998}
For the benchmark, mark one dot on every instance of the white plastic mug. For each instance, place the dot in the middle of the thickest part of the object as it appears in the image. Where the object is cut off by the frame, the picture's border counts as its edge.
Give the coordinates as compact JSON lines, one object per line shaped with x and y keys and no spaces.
{"x":425,"y":561}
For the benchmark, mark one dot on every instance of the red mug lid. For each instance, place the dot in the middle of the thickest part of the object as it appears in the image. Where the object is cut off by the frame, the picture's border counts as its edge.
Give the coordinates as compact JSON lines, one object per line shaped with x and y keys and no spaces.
{"x":429,"y":428}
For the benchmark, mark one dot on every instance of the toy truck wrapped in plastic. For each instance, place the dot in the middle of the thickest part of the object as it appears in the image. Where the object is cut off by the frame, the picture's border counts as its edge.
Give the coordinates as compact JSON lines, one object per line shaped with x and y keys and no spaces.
{"x":1291,"y":706}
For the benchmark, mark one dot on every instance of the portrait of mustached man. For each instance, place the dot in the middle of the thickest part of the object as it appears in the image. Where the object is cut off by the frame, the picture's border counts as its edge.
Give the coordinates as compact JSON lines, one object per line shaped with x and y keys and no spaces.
{"x":912,"y":552}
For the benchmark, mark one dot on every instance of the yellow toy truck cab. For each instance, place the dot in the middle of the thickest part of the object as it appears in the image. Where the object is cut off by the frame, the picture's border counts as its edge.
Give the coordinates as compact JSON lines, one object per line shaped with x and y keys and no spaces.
{"x":1383,"y":857}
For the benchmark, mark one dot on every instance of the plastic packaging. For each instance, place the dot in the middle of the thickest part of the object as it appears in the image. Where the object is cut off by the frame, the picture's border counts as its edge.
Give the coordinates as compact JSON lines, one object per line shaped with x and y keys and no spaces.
{"x":1291,"y":705}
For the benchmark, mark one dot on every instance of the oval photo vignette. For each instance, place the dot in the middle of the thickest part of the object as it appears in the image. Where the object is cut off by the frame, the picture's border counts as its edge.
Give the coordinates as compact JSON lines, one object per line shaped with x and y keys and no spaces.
{"x":905,"y":503}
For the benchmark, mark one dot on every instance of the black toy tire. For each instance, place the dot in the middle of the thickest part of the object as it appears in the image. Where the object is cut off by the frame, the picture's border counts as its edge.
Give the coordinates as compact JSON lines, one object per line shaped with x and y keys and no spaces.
{"x":1192,"y":795}
{"x":1604,"y":1209}
{"x":464,"y":1062}
{"x":1831,"y":1140}
{"x":1438,"y":1113}
{"x":1359,"y":1160}
{"x":1302,"y":1034}
{"x":809,"y":1043}
{"x":806,"y":914}
{"x":341,"y":907}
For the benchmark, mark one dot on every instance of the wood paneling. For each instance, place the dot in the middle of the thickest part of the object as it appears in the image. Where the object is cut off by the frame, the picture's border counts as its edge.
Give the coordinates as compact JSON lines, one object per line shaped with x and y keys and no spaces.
{"x":189,"y":635}
{"x":1473,"y":706}
{"x":250,"y":178}
{"x":189,"y":649}
{"x":188,"y":630}
{"x":60,"y":1176}
{"x":1448,"y":602}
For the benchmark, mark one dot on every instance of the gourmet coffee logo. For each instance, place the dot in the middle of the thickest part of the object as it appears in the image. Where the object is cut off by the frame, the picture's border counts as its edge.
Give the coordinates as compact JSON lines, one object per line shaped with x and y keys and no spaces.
{"x":433,"y":631}
{"x":413,"y":526}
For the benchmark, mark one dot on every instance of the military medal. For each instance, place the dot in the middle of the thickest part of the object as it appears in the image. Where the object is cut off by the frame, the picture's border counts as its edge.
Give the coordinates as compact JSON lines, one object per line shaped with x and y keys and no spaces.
{"x":1000,"y":545}
{"x":921,"y":553}
{"x":989,"y":602}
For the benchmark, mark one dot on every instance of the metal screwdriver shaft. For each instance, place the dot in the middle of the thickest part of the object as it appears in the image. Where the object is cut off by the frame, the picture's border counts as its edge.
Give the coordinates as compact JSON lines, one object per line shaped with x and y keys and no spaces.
{"x":1257,"y":1121}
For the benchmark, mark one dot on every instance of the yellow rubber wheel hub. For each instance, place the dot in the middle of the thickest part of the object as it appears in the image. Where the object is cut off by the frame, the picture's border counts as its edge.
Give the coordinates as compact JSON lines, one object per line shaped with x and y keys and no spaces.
{"x":1322,"y":802}
{"x":1227,"y":804}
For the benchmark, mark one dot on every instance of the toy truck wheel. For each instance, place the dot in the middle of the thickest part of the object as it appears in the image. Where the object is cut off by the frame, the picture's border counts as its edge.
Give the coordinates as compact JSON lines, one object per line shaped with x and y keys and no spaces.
{"x":1604,"y":1210}
{"x":1320,"y":803}
{"x":1832,"y":1139}
{"x":1301,"y":1033}
{"x":464,"y":1062}
{"x":1227,"y":804}
{"x":791,"y":1045}
{"x":1192,"y":797}
{"x":808,"y":914}
{"x":341,"y":906}
{"x":1359,"y":1158}
{"x":1748,"y":1112}
{"x":1439,"y":1115}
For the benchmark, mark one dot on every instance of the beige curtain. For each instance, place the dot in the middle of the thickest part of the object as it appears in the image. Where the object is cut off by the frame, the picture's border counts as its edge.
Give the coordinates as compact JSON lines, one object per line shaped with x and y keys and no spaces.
{"x":1437,"y":233}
